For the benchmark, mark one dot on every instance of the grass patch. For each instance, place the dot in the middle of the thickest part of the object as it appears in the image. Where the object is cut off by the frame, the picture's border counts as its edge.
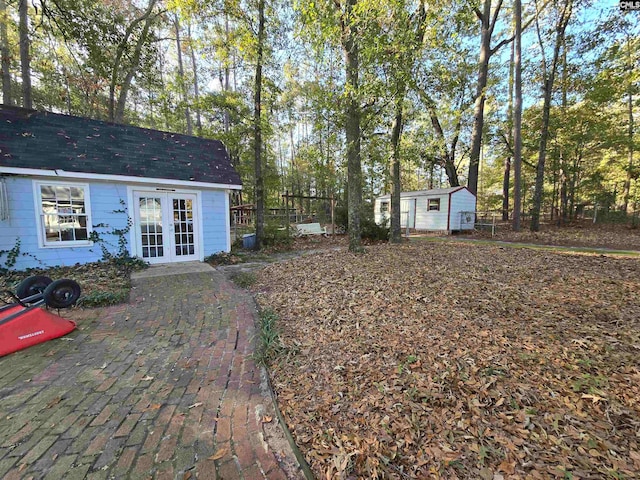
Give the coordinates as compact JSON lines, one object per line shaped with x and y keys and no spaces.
{"x":99,"y":298}
{"x":224,"y":258}
{"x":244,"y":279}
{"x":269,"y":343}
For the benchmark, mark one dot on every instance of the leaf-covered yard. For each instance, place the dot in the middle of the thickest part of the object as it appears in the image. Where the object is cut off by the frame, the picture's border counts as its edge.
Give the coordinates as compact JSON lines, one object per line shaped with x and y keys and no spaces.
{"x":448,"y":360}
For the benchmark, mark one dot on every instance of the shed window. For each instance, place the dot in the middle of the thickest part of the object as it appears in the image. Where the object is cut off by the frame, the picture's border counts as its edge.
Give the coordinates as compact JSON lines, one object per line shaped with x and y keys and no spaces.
{"x":384,"y":207}
{"x":64,"y":214}
{"x":433,"y":205}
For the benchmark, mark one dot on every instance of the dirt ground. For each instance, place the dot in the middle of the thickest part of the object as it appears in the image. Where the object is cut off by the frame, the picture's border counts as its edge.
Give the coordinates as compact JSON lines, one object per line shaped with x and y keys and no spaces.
{"x":457,"y":360}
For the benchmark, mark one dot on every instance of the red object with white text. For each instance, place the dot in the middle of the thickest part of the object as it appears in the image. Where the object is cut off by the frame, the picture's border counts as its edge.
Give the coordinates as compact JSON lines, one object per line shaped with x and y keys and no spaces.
{"x":22,"y":327}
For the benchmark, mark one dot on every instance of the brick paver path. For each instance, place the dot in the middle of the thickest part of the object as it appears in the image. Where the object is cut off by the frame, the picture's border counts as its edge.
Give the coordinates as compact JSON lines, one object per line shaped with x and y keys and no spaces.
{"x":163,"y":387}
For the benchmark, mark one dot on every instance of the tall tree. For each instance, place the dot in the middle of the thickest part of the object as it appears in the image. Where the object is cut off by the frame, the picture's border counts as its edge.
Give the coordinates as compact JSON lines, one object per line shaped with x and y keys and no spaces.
{"x":630,"y":88}
{"x":564,"y":11}
{"x":25,"y":58}
{"x":257,"y":127}
{"x":488,"y":19}
{"x":117,"y":105}
{"x":351,"y":49}
{"x":406,"y":41}
{"x":5,"y":53}
{"x":196,"y":85}
{"x":517,"y":116}
{"x":181,"y":77}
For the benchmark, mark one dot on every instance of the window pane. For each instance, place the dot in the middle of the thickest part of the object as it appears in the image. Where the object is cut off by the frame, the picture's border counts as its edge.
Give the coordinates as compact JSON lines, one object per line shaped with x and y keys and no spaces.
{"x":63,"y":194}
{"x":77,"y":200}
{"x":81,"y":234}
{"x":51,"y":228}
{"x":67,"y":233}
{"x":64,"y":214}
{"x":47,"y":193}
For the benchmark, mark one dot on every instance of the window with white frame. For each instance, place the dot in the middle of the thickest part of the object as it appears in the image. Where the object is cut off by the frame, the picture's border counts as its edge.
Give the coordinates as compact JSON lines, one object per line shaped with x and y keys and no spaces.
{"x":64,"y":213}
{"x":384,"y":207}
{"x":433,"y":205}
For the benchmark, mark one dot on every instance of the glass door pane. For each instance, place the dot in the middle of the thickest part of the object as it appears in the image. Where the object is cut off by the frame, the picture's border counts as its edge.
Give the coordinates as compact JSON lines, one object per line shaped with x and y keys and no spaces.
{"x":150,"y":211}
{"x":183,"y":227}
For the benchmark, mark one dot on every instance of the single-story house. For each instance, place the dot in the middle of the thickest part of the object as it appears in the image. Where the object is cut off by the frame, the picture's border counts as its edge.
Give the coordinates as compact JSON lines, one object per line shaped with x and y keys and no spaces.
{"x":73,"y":190}
{"x":441,"y":209}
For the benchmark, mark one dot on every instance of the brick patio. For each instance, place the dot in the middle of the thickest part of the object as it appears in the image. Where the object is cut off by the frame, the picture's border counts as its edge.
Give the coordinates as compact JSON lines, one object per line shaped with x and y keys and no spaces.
{"x":163,"y":387}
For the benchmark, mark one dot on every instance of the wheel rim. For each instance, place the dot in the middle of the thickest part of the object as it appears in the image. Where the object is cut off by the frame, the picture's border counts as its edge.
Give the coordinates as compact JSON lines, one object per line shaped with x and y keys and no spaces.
{"x":63,"y":294}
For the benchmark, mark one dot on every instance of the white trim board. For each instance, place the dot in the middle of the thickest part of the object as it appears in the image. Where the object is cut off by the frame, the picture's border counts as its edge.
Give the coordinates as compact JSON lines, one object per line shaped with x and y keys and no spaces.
{"x":198,"y":212}
{"x":63,"y":174}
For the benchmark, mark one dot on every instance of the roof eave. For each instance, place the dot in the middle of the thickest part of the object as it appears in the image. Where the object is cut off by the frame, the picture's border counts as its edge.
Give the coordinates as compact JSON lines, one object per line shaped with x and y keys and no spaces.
{"x":116,"y":178}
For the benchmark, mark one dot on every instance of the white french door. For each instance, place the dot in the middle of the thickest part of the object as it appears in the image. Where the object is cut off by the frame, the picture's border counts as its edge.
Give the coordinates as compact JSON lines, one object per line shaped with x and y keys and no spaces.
{"x":166,"y":226}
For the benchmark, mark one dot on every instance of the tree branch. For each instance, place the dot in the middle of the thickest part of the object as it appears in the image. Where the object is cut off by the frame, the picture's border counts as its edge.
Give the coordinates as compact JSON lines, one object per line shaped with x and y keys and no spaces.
{"x":495,"y":16}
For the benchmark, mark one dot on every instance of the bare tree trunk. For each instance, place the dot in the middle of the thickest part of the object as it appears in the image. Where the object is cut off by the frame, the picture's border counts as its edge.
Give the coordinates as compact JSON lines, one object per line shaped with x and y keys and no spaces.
{"x":183,"y":84}
{"x":517,"y":116}
{"x":506,"y":178}
{"x":396,"y":132}
{"x":352,"y":126}
{"x":196,"y":87}
{"x":505,"y":189}
{"x":227,"y":86}
{"x":25,"y":60}
{"x":627,"y":183}
{"x":116,"y":107}
{"x":257,"y":129}
{"x":478,"y":109}
{"x":5,"y":52}
{"x":563,"y":160}
{"x":447,"y":153}
{"x":67,"y":88}
{"x":549,"y":78}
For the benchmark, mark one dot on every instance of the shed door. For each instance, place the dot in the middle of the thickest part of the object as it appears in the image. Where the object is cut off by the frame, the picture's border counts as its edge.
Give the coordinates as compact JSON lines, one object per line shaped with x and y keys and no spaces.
{"x":408,"y":213}
{"x":166,"y":227}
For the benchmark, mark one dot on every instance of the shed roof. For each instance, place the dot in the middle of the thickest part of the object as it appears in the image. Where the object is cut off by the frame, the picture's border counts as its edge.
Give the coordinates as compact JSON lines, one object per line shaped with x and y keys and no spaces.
{"x":39,"y":140}
{"x":434,"y":192}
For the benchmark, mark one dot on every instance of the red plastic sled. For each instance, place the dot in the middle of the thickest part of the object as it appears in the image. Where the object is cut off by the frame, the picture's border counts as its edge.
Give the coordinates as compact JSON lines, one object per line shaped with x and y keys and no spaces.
{"x":23,"y":323}
{"x":23,"y":327}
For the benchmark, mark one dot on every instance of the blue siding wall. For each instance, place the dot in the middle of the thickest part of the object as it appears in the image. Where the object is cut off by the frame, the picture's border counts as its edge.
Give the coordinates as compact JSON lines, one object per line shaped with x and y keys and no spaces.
{"x":105,"y":201}
{"x":214,"y":222}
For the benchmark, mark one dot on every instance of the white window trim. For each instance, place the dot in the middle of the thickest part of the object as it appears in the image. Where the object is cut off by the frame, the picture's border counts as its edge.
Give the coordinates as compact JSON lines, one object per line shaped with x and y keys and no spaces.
{"x":37,"y":199}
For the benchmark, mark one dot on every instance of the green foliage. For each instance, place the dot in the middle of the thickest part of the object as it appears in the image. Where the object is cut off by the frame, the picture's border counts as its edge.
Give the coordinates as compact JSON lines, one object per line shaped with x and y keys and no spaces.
{"x":223,"y":258}
{"x":11,"y":256}
{"x":244,"y":279}
{"x":104,"y":298}
{"x":269,"y":342}
{"x":276,"y":236}
{"x":122,"y":253}
{"x":370,"y":230}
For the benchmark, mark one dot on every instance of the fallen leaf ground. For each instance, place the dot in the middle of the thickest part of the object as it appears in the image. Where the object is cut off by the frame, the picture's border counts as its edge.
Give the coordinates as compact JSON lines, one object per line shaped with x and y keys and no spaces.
{"x":451,"y":360}
{"x":578,"y":234}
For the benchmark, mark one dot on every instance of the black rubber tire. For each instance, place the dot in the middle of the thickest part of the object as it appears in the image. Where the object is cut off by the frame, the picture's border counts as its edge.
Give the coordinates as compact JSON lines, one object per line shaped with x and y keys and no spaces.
{"x":32,"y":286}
{"x":62,"y":293}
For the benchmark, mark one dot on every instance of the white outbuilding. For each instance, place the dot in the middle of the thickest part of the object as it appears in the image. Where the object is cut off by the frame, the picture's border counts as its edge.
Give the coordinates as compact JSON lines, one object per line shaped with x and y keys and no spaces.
{"x":441,"y":209}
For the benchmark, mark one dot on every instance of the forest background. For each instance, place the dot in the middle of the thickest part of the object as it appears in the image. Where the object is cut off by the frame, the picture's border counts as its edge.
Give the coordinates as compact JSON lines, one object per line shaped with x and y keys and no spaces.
{"x":337,"y":98}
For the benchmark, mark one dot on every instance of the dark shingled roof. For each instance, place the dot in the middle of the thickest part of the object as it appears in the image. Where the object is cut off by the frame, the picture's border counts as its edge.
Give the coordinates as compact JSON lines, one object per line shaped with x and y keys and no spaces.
{"x":50,"y":141}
